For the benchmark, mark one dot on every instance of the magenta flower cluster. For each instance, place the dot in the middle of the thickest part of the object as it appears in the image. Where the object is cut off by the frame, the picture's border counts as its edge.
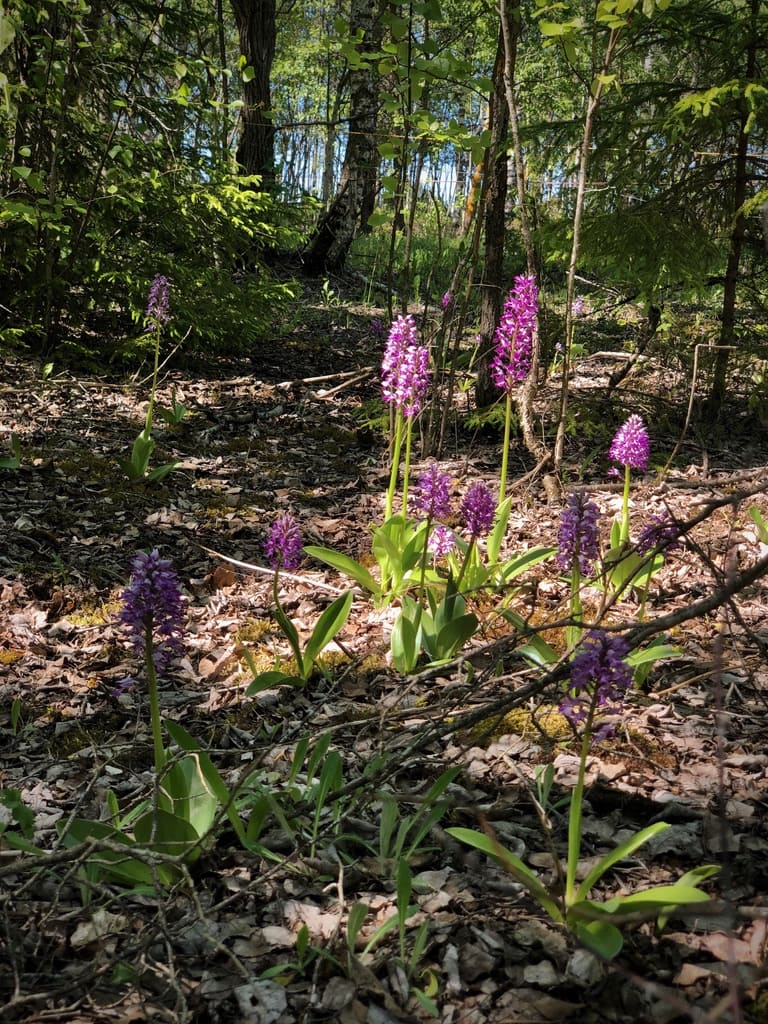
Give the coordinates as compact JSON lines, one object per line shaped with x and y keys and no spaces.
{"x":661,"y":533}
{"x":158,"y":302}
{"x":284,"y":544}
{"x":432,"y":494}
{"x":631,"y":446}
{"x":600,"y":677}
{"x":513,"y":340}
{"x":478,"y":509}
{"x":578,"y":538}
{"x":405,"y":367}
{"x":442,"y":541}
{"x":153,"y":608}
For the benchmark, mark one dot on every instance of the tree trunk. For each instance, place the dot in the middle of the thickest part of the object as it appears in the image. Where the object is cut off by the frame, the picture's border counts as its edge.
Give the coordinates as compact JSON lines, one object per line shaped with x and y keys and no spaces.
{"x":257,"y":32}
{"x":510,"y":29}
{"x":332,"y":238}
{"x":593,"y":102}
{"x":736,"y":242}
{"x":496,"y":163}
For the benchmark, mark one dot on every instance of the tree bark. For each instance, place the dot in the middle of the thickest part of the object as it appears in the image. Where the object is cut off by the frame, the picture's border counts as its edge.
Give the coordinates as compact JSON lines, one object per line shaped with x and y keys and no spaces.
{"x":736,"y":242}
{"x":257,"y":31}
{"x":336,"y":229}
{"x":510,"y":30}
{"x":496,"y":163}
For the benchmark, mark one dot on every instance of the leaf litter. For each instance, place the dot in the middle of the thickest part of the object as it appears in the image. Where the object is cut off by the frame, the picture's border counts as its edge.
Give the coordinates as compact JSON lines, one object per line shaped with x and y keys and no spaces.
{"x":263,"y":937}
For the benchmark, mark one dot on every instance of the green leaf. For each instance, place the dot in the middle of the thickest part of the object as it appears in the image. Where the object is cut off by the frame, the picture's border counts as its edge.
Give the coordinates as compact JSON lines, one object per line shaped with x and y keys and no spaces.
{"x":319,"y":750}
{"x":512,"y":569}
{"x":111,"y":864}
{"x":535,"y":649}
{"x":757,"y":519}
{"x":661,"y":896}
{"x":623,"y":850}
{"x":653,"y":653}
{"x":405,"y":644}
{"x":328,"y":625}
{"x":167,"y":833}
{"x":601,"y":937}
{"x":143,"y":446}
{"x":22,"y":814}
{"x":269,"y":680}
{"x":161,"y":471}
{"x":210,"y":773}
{"x":347,"y":565}
{"x":519,"y":871}
{"x":498,"y":532}
{"x":454,"y":635}
{"x":291,"y":636}
{"x":692,"y":877}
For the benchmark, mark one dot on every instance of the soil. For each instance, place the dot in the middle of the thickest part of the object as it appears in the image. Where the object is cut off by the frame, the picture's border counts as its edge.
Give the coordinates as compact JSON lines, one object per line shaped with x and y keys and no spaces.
{"x":261,"y":932}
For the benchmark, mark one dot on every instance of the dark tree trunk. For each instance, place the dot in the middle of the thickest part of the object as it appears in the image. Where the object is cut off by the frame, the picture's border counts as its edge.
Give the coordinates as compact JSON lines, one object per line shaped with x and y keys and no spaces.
{"x":257,"y":31}
{"x":495,"y":224}
{"x":331,"y":239}
{"x":728,"y":323}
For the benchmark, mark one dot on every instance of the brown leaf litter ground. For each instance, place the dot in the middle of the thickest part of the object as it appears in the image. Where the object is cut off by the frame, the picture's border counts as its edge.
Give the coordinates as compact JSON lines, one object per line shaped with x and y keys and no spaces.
{"x":293,"y":428}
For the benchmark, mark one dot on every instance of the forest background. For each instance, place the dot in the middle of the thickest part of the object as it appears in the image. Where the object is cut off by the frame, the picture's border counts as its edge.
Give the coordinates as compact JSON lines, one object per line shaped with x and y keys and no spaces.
{"x":616,"y":148}
{"x":271,"y":175}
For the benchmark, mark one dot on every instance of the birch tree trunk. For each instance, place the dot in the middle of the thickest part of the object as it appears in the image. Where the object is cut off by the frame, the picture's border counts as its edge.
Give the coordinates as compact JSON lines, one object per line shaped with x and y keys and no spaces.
{"x":336,"y":228}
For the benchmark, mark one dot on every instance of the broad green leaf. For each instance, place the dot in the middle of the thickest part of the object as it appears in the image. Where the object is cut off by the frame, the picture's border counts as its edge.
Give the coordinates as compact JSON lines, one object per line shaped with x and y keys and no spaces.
{"x":347,"y":565}
{"x":269,"y":680}
{"x":661,"y":896}
{"x":535,"y":649}
{"x":512,"y":569}
{"x":498,"y":532}
{"x":757,"y":519}
{"x":123,"y":869}
{"x":653,"y":653}
{"x":210,"y":773}
{"x":168,"y":833}
{"x":519,"y":871}
{"x":405,"y":644}
{"x":161,"y":471}
{"x":623,"y":850}
{"x":455,"y":634}
{"x":601,"y":937}
{"x":692,"y":877}
{"x":316,"y":758}
{"x":291,"y":636}
{"x":328,"y":625}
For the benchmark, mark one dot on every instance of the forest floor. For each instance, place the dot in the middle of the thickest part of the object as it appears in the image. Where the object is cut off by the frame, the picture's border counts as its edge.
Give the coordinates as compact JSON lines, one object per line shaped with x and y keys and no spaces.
{"x":286,"y":430}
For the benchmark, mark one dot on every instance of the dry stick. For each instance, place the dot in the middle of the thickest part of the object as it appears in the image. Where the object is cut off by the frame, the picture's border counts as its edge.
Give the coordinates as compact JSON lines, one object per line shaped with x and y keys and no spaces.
{"x":171,"y":354}
{"x":345,"y":376}
{"x":364,"y":375}
{"x":306,"y":580}
{"x":692,"y":395}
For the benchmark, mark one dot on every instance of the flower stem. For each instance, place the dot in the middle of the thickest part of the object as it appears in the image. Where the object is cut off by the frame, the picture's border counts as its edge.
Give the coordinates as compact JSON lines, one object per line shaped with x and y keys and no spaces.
{"x":624,"y":536}
{"x":151,"y":406}
{"x":407,"y":464}
{"x":505,"y":448}
{"x":467,"y":557}
{"x":154,"y":703}
{"x":397,"y":444}
{"x":575,"y":811}
{"x":573,"y":633}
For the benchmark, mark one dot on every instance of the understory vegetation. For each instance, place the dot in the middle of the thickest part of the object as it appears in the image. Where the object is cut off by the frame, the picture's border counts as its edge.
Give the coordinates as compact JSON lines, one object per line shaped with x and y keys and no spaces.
{"x":383,"y":485}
